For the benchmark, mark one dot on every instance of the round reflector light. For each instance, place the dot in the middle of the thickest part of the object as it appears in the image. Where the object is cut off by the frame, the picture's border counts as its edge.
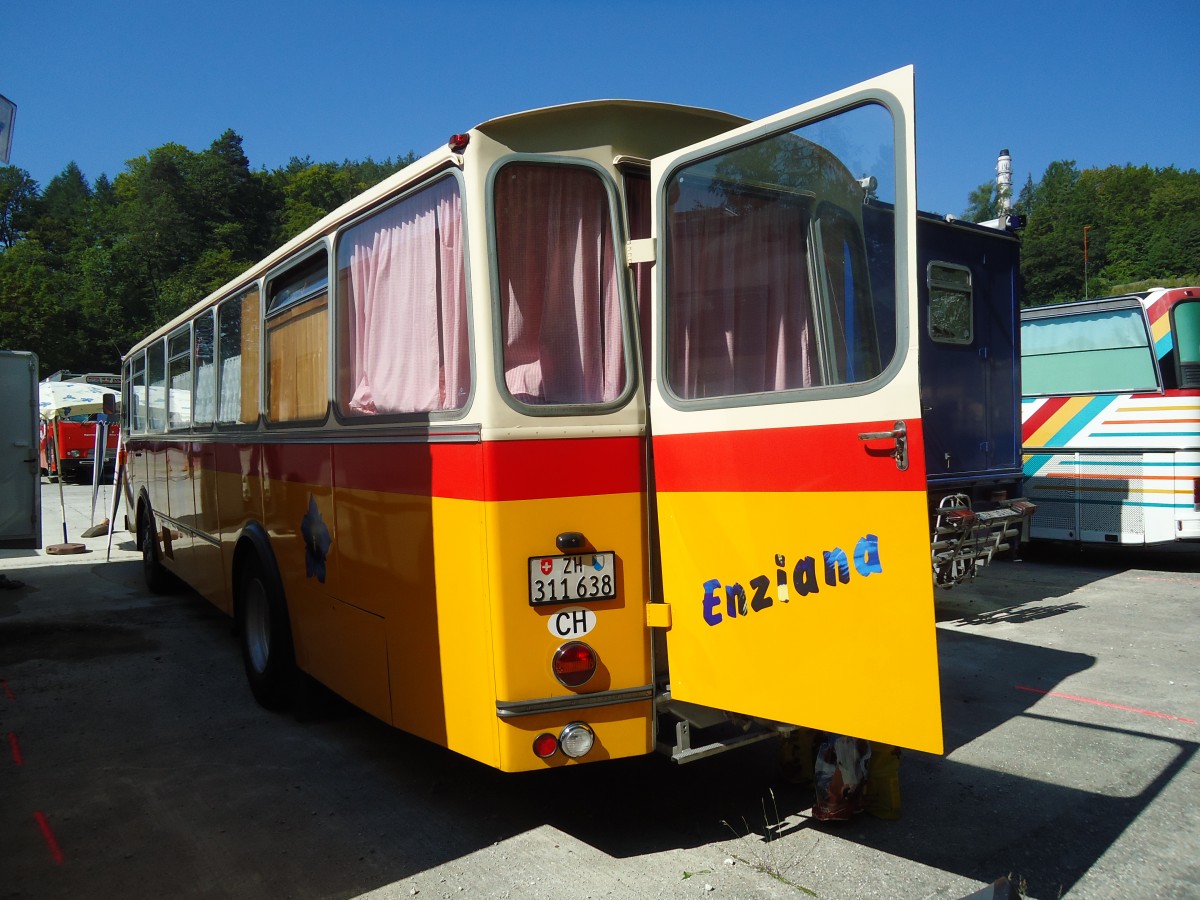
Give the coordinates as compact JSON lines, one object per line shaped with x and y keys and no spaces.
{"x":576,"y":740}
{"x":574,"y":663}
{"x":545,"y":745}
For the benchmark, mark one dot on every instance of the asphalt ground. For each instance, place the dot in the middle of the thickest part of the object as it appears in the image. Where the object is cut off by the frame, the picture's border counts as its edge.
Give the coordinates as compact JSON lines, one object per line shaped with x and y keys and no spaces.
{"x":135,"y":763}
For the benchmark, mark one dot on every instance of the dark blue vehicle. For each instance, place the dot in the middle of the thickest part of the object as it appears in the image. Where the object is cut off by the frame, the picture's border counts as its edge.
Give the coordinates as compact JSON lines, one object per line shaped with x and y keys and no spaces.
{"x":971,"y":392}
{"x":970,"y":387}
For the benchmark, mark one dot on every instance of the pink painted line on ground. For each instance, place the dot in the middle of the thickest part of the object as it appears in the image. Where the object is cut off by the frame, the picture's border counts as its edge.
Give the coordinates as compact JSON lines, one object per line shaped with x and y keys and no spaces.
{"x":1144,"y":712}
{"x":51,"y":840}
{"x":16,"y":748}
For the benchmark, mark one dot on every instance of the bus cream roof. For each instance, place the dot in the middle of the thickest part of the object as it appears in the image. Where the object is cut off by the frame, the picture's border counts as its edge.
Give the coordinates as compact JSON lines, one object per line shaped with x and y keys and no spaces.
{"x":636,"y":128}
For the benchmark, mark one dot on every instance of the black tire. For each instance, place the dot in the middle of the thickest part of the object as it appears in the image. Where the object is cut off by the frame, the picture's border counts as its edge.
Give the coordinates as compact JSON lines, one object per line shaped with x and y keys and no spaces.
{"x":158,"y":579}
{"x":266,"y":636}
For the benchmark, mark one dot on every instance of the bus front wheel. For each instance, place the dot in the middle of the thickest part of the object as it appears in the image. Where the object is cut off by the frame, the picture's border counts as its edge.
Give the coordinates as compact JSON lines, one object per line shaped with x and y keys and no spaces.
{"x":266,"y":638}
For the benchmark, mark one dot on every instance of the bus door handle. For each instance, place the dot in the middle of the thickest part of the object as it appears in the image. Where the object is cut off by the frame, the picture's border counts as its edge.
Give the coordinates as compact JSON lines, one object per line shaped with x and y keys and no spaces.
{"x":899,"y":434}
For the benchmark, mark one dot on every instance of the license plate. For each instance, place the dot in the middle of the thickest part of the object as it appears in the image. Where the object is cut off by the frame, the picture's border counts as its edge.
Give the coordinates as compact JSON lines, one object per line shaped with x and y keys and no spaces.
{"x":569,"y":579}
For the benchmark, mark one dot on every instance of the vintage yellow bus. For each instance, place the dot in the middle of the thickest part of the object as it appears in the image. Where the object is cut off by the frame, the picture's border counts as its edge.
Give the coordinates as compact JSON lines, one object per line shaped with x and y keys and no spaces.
{"x":593,"y":433}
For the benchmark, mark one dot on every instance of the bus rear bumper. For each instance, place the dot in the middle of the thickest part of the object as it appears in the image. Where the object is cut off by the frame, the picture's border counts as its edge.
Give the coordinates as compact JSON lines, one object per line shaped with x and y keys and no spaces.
{"x":621,"y":730}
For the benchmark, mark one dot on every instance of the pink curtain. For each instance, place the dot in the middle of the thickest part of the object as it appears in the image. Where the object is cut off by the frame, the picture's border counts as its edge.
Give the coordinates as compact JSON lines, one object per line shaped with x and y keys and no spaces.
{"x":402,"y":272}
{"x":739,"y":310}
{"x":559,"y":286}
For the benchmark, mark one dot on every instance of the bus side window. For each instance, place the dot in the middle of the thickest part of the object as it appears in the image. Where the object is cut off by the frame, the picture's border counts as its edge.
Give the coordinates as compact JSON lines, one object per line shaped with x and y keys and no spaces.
{"x":1185,"y":320}
{"x":156,"y":387}
{"x":1106,"y":351}
{"x":402,"y":308}
{"x":297,"y":324}
{"x":135,"y":403}
{"x":237,"y":360}
{"x":560,"y":298}
{"x":179,"y":376}
{"x":204,"y":395}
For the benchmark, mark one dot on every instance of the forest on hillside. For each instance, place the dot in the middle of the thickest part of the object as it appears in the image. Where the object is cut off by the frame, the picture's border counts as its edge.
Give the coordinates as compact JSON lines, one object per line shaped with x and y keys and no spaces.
{"x":1141,"y":227}
{"x":88,"y":267}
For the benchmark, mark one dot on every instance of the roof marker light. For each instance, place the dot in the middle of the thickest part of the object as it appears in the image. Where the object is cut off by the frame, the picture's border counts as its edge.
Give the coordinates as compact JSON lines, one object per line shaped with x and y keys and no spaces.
{"x":458,"y":142}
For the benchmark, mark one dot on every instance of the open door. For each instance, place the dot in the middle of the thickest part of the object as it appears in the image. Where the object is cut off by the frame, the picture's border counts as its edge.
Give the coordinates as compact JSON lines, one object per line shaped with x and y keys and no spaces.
{"x":20,"y":471}
{"x":786,"y":422}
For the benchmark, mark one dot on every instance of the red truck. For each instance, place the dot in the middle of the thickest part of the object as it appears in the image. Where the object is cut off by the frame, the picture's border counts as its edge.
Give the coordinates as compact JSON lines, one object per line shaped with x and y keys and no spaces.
{"x":78,"y":439}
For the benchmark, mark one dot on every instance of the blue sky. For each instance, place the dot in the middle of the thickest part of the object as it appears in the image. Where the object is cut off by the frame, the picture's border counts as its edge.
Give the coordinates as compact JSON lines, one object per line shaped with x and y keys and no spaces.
{"x":99,"y":83}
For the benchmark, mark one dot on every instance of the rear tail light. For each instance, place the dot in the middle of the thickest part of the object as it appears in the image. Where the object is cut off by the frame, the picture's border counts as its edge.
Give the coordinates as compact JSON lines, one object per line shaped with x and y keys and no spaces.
{"x":1196,"y":494}
{"x":545,"y":745}
{"x":1024,"y":507}
{"x":960,"y":518}
{"x":574,"y":664}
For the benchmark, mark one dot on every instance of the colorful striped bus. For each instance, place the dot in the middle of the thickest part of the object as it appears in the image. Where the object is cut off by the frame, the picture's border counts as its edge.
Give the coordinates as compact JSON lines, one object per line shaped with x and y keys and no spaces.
{"x":1111,"y":413}
{"x":594,"y":432}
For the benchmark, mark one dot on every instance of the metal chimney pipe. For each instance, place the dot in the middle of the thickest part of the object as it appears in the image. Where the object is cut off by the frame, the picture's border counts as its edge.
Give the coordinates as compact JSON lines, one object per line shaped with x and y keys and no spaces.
{"x":1004,"y":181}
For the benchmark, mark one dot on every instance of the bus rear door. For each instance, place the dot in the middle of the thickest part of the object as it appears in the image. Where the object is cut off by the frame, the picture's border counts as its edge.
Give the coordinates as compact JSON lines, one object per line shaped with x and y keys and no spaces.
{"x":788,"y":464}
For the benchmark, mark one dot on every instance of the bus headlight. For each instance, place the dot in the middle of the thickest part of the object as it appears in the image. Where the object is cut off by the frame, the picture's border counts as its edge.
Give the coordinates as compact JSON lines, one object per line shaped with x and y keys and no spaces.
{"x":576,"y":740}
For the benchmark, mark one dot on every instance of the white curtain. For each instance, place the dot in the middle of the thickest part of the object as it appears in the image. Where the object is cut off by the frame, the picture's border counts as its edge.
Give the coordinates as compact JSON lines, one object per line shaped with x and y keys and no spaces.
{"x":405,"y":300}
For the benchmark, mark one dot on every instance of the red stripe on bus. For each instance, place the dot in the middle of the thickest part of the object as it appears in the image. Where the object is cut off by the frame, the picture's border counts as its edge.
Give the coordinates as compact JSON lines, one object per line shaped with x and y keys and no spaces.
{"x":1169,"y":393}
{"x":527,"y":470}
{"x":495,"y":470}
{"x":814,"y":458}
{"x":1039,"y":417}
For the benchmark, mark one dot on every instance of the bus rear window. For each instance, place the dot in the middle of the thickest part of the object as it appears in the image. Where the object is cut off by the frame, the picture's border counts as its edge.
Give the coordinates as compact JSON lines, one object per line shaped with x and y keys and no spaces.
{"x":1100,"y":352}
{"x":560,"y":303}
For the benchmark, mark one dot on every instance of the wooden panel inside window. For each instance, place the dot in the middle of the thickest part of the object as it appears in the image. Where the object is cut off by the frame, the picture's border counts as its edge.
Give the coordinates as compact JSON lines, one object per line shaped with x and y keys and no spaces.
{"x":250,"y":351}
{"x":297,"y":357}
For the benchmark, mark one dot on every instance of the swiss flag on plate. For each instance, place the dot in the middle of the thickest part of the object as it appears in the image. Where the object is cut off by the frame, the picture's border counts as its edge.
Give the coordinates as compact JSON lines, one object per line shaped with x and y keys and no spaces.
{"x":547,"y":566}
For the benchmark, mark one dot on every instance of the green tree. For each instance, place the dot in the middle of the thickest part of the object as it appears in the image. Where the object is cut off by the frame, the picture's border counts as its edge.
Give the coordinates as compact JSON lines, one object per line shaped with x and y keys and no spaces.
{"x":984,"y":203}
{"x":18,"y":193}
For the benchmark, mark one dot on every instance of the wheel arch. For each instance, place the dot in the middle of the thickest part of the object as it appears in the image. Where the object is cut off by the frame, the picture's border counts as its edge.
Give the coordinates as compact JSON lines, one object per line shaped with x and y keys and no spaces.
{"x":254,"y":546}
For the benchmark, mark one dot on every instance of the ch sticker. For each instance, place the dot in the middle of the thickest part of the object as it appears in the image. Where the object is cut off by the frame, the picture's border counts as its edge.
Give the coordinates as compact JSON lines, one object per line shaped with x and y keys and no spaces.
{"x":571,"y":622}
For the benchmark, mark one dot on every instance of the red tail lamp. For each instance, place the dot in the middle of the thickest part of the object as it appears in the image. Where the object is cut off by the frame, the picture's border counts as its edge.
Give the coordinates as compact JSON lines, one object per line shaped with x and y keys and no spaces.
{"x":574,"y":664}
{"x":458,"y":142}
{"x":545,"y":745}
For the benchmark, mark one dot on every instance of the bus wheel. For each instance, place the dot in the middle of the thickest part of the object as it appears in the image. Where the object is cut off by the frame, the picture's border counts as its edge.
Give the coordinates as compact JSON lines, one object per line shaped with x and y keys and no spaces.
{"x":158,"y":579}
{"x":266,"y":638}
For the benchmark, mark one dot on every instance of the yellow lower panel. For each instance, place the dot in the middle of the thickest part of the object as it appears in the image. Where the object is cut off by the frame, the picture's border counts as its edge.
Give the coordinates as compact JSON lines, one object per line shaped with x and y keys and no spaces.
{"x":847,"y":643}
{"x":621,"y":731}
{"x":526,"y":637}
{"x":346,"y":650}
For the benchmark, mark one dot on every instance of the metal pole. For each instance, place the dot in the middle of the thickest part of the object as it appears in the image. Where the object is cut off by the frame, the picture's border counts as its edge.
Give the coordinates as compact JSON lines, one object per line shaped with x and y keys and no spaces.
{"x":58,"y":458}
